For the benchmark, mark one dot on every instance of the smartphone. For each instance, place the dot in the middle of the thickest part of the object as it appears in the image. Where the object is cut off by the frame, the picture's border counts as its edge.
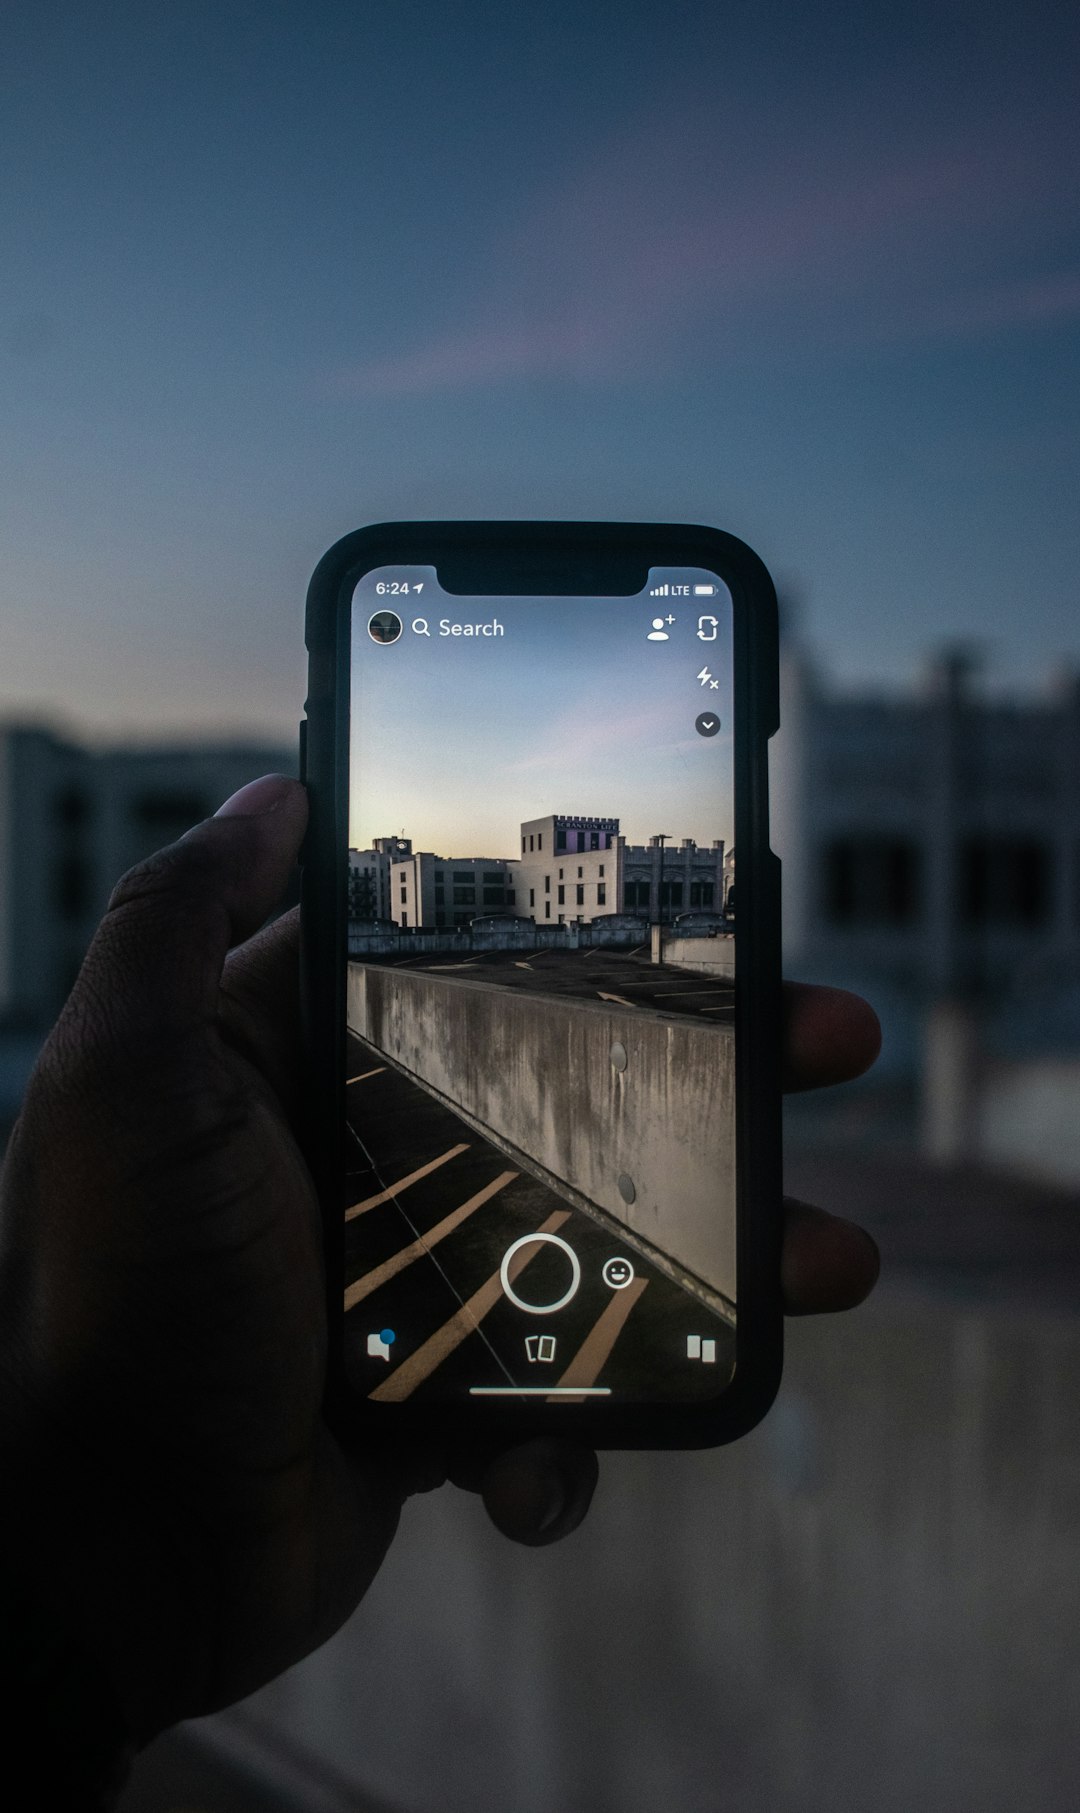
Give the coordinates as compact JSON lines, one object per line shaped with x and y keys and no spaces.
{"x":541,"y":1009}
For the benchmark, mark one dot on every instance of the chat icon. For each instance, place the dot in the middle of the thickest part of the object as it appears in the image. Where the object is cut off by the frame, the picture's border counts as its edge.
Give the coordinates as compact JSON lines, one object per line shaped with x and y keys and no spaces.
{"x":379,"y":1345}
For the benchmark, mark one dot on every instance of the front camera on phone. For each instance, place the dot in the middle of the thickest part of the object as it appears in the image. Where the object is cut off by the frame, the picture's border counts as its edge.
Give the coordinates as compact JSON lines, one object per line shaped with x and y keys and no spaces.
{"x":384,"y":627}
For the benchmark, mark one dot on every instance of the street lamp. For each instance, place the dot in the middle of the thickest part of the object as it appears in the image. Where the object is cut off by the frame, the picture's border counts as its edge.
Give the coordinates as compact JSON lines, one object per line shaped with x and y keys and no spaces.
{"x":660,"y":837}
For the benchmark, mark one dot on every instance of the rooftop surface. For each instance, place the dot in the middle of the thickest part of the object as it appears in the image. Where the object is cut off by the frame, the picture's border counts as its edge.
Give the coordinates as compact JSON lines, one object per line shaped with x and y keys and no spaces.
{"x":625,"y":978}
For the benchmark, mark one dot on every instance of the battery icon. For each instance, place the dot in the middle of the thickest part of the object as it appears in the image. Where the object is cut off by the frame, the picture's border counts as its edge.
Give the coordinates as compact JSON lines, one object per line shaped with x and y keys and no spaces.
{"x":704,"y":591}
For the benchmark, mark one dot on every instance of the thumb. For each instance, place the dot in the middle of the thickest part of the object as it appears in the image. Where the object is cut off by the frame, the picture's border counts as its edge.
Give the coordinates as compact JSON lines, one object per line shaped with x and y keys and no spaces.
{"x":159,"y":951}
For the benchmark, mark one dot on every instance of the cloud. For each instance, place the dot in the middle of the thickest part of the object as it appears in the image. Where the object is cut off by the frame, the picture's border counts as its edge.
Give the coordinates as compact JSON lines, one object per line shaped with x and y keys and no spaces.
{"x":483,"y":355}
{"x":661,"y":248}
{"x":1029,"y":302}
{"x":577,"y":737}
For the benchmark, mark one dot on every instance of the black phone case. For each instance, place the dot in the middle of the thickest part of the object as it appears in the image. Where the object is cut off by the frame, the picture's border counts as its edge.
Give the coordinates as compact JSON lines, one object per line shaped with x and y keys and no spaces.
{"x":554,"y":558}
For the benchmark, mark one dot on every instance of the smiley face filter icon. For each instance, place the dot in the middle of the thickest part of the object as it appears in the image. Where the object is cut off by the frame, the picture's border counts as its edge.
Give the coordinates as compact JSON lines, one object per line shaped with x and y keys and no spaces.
{"x":618,"y":1272}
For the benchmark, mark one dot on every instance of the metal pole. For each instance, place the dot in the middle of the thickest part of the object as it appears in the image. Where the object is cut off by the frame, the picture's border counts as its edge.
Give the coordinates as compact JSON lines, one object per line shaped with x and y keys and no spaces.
{"x":661,"y":837}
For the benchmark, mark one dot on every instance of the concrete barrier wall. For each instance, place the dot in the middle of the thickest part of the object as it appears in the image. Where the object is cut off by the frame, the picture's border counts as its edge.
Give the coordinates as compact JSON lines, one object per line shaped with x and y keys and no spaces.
{"x":712,"y":956}
{"x":592,"y":1094}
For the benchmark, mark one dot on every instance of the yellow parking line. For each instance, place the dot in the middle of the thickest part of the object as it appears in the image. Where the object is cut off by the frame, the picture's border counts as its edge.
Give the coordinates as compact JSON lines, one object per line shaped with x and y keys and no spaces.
{"x":421,"y":1364}
{"x":371,"y":1281}
{"x":592,"y":1355}
{"x":372,"y":1202}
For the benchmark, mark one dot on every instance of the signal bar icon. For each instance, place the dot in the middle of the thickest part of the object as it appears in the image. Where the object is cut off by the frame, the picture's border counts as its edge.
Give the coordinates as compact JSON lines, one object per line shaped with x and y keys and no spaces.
{"x":660,"y":591}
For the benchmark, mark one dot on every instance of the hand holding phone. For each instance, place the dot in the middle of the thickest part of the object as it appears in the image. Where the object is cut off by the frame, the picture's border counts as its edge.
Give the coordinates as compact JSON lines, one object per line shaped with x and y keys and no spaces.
{"x":177,"y":1377}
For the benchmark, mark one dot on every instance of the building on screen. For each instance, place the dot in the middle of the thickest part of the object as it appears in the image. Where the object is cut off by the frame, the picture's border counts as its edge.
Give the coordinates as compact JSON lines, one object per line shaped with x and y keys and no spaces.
{"x":573,"y":868}
{"x":570,"y":868}
{"x":369,"y":878}
{"x":662,"y":878}
{"x":428,"y":890}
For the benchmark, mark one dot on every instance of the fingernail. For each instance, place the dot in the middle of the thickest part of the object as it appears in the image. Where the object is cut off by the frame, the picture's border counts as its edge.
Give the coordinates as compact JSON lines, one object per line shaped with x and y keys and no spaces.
{"x":257,"y":797}
{"x":553,"y":1498}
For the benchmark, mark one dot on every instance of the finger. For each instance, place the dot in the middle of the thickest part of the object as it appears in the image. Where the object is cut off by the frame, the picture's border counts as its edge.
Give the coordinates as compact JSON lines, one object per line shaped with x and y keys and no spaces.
{"x":826,"y":1263}
{"x":829,"y":1036}
{"x":260,"y":1006}
{"x":540,"y":1492}
{"x":534,"y":1493}
{"x":159,"y":951}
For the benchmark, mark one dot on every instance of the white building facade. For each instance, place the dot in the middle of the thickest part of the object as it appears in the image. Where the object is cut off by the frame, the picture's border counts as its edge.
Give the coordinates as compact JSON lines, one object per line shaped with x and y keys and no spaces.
{"x":570,"y":868}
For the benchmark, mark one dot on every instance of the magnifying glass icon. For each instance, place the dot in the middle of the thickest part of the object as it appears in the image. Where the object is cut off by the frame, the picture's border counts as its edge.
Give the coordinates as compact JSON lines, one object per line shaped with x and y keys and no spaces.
{"x":420,"y":627}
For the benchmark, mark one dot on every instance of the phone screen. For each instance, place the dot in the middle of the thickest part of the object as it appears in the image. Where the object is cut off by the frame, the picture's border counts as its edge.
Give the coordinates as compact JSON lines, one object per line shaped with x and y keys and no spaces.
{"x":540,"y":1189}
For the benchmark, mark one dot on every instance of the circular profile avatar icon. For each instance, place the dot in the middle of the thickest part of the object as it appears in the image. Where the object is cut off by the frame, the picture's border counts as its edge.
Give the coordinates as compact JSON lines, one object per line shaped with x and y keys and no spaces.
{"x":385,"y":626}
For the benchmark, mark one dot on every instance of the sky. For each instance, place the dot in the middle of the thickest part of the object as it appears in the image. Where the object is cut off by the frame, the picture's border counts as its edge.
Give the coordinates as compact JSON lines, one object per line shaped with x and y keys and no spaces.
{"x":271,"y":271}
{"x":573,"y":706}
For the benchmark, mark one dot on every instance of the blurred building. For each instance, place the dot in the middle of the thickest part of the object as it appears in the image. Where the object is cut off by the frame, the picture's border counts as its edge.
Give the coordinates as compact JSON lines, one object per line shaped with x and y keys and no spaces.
{"x":930,"y":842}
{"x":931,"y":861}
{"x":72,"y":821}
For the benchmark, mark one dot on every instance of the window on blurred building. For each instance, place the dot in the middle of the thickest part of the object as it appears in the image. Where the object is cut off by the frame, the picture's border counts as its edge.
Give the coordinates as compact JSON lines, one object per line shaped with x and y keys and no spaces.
{"x":71,"y":888}
{"x":163,"y":815}
{"x":1004,"y":881}
{"x":72,"y":807}
{"x":872,"y":881}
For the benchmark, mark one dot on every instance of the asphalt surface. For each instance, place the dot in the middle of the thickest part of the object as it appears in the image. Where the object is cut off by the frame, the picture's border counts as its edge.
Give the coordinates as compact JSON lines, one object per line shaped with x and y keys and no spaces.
{"x":624,"y":977}
{"x":432,"y":1208}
